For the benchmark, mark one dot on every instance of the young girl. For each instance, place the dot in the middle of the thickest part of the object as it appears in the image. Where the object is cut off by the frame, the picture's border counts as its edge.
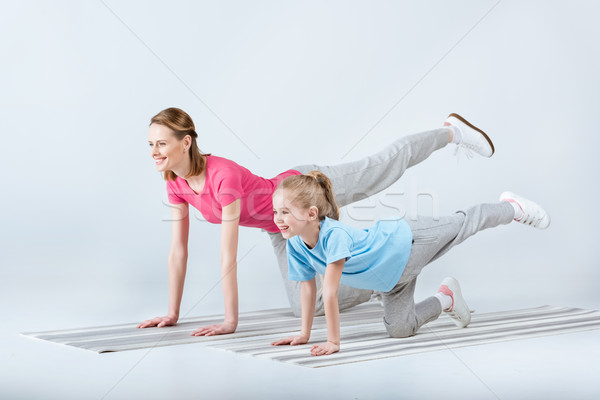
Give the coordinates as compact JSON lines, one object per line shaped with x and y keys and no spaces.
{"x":226,"y":193}
{"x":387,"y":257}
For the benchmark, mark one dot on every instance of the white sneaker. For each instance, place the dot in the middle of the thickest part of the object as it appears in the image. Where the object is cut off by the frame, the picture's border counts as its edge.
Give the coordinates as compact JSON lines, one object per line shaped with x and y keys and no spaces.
{"x":472,"y":138}
{"x":531,"y":213}
{"x":458,"y":311}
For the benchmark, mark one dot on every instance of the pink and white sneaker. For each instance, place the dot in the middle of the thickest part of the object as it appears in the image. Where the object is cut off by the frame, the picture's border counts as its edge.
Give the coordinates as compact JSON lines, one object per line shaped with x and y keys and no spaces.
{"x":472,"y":139}
{"x":532,"y":214}
{"x":459,"y":310}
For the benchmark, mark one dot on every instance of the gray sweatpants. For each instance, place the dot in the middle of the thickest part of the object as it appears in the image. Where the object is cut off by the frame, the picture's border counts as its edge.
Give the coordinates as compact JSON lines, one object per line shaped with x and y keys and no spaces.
{"x":355,"y":181}
{"x":432,"y":239}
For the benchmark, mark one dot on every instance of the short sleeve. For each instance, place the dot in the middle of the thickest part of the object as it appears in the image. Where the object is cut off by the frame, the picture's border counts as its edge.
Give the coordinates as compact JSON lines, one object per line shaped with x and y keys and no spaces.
{"x":228,"y":186}
{"x":171,"y":193}
{"x":337,"y":245}
{"x":298,"y":266}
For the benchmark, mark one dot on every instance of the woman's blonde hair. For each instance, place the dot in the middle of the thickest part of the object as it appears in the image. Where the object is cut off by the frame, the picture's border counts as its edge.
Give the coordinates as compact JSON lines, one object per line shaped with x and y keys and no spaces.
{"x":312,"y":189}
{"x":182,"y":125}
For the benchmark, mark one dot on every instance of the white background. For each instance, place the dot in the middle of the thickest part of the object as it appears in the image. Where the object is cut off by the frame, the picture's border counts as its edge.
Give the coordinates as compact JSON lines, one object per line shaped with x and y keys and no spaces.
{"x":271,"y":85}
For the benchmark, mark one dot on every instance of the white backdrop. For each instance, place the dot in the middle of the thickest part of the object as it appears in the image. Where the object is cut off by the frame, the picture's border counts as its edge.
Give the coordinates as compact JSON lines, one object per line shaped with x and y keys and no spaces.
{"x":272,"y":85}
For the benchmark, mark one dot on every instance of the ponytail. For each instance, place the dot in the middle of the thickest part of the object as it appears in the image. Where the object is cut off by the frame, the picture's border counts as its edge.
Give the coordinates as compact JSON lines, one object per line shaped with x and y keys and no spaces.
{"x":312,"y":189}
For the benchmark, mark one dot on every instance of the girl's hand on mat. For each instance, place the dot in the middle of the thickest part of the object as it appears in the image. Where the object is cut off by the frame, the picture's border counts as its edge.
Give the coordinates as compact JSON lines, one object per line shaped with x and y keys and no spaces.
{"x":159,"y":322}
{"x":292,"y":340}
{"x":218,"y":329}
{"x":326,"y":348}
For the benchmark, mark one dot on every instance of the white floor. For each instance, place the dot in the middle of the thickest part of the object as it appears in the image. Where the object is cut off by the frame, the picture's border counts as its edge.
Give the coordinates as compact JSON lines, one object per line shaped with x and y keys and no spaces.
{"x":554,"y":367}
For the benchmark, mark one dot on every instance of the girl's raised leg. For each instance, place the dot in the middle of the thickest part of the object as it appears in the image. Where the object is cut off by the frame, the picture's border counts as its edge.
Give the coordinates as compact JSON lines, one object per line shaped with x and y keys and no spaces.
{"x":433,"y":238}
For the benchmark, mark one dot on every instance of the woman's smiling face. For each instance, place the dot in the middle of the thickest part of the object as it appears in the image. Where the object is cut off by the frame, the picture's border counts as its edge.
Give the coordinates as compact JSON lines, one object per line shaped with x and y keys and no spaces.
{"x":165,"y":149}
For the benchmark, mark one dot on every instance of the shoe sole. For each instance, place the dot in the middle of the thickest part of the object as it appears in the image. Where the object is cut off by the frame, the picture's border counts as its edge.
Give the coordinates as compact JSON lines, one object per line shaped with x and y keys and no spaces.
{"x":461,"y":119}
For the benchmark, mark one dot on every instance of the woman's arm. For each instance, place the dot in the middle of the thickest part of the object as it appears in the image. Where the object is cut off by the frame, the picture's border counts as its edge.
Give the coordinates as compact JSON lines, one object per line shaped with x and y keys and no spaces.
{"x":331,"y":283}
{"x":308,"y":295}
{"x":177,"y":262}
{"x":230,"y":221}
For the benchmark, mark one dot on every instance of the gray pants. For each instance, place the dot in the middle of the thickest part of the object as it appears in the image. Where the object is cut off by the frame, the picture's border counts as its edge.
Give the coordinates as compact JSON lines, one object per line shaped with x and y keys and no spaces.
{"x":355,"y":181}
{"x":432,"y":239}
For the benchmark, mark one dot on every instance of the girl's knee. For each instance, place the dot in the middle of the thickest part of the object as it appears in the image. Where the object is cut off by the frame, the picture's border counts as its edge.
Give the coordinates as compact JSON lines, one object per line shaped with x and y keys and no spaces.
{"x":403,"y":330}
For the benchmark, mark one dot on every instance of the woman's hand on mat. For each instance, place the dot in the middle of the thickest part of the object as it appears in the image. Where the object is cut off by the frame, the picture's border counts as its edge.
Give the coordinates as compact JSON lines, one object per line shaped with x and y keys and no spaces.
{"x":218,"y":329}
{"x":292,"y":340}
{"x":326,"y":348}
{"x":159,"y":322}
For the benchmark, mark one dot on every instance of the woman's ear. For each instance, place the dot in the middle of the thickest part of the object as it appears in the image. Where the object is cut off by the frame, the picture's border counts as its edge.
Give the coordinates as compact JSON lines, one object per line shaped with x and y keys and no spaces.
{"x":313,"y":213}
{"x":187,"y":141}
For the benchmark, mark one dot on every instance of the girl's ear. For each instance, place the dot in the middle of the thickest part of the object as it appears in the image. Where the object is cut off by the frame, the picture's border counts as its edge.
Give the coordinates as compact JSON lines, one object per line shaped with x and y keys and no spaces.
{"x":313,"y":213}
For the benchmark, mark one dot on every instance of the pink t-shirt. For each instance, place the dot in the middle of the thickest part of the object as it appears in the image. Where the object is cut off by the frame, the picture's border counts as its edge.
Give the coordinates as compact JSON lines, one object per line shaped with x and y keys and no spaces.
{"x":226,"y":182}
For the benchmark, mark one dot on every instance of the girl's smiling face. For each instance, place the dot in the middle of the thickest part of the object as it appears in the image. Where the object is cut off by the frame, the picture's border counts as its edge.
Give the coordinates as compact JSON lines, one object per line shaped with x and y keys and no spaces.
{"x":290,"y":219}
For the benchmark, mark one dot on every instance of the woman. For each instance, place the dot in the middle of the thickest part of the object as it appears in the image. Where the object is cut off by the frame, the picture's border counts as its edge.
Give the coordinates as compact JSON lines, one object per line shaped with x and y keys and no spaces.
{"x":229,"y":194}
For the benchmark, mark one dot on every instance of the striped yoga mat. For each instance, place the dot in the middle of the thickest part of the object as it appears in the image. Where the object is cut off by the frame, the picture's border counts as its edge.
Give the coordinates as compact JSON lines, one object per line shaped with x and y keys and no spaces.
{"x":368,"y":340}
{"x":363,"y":335}
{"x":102,"y":339}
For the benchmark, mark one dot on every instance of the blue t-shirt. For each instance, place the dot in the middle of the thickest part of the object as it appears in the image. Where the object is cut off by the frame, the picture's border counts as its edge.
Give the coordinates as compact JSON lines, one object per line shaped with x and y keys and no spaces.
{"x":375,"y":257}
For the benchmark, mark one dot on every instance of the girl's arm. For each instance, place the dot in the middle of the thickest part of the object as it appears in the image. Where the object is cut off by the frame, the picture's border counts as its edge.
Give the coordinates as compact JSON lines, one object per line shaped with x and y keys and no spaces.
{"x":308,"y":296}
{"x":331,"y":283}
{"x":178,"y":254}
{"x":230,"y":221}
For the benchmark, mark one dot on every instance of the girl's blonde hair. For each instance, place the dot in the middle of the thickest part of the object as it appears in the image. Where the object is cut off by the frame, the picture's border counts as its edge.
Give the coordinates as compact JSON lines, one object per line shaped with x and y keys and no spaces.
{"x":182,"y":125}
{"x":312,"y":189}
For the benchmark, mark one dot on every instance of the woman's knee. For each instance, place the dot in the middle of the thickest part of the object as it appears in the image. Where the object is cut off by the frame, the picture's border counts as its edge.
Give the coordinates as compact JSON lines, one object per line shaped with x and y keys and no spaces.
{"x":319,"y":307}
{"x":297,"y":310}
{"x":349,"y":297}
